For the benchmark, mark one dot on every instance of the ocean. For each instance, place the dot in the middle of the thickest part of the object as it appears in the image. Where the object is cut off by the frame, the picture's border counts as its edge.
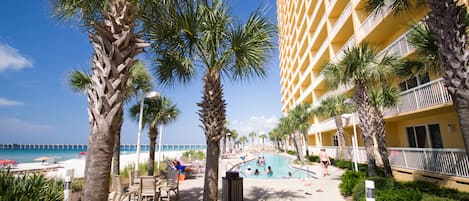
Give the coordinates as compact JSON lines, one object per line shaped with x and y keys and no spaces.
{"x":27,"y":153}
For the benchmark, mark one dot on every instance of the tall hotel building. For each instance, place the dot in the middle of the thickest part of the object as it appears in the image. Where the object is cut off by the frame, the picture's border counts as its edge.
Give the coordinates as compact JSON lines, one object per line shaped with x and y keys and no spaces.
{"x":315,"y":32}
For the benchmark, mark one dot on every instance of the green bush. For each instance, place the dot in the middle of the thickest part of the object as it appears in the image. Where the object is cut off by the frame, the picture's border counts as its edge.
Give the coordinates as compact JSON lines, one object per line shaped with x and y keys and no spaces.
{"x":313,"y":158}
{"x":291,"y":152}
{"x":192,"y":155}
{"x":436,"y":191}
{"x":29,"y":187}
{"x":381,"y":183}
{"x":77,"y":184}
{"x":398,"y":195}
{"x":348,"y":180}
{"x":428,"y":197}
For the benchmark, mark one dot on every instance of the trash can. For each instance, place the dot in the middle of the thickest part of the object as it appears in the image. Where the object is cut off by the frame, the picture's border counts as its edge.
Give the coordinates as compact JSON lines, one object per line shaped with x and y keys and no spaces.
{"x":232,"y":188}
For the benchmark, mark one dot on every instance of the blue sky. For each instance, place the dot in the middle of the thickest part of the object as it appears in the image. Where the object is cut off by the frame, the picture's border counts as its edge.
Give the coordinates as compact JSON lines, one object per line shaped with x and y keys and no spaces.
{"x":37,"y":106}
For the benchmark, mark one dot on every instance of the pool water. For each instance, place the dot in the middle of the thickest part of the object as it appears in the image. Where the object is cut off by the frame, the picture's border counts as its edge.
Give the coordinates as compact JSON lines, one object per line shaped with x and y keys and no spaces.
{"x":280,"y":166}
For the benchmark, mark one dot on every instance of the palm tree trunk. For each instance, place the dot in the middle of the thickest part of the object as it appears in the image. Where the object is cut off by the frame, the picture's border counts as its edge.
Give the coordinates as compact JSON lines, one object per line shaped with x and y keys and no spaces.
{"x":151,"y":159}
{"x":447,"y":20}
{"x":212,"y":115}
{"x":297,"y":142}
{"x":381,"y":139}
{"x":117,"y":148}
{"x":115,"y":45}
{"x":305,"y":136}
{"x":224,"y":144}
{"x":366,"y":125}
{"x":340,"y":133}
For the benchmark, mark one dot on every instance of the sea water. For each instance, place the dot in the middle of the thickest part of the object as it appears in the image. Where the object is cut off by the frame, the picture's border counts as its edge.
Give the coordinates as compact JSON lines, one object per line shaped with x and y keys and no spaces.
{"x":58,"y":153}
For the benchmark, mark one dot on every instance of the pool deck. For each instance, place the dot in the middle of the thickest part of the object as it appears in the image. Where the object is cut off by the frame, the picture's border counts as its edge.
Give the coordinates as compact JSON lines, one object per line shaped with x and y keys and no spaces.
{"x":322,"y":188}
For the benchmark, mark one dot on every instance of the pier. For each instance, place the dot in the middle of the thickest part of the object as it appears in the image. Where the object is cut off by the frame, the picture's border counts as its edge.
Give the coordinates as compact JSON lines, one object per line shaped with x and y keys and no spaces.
{"x":123,"y":147}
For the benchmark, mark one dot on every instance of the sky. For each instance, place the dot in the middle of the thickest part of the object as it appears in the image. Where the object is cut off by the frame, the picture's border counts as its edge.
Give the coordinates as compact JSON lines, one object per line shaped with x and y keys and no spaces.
{"x":37,"y":52}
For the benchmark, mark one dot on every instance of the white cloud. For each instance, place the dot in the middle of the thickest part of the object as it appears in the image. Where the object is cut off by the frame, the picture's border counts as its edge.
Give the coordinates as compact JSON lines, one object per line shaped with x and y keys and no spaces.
{"x":255,"y":124}
{"x":5,"y":102}
{"x":10,"y":58}
{"x":17,"y":126}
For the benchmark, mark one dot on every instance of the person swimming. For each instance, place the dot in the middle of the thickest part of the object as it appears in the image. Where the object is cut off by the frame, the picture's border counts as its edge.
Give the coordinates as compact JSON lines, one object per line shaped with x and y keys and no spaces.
{"x":256,"y":172}
{"x":269,"y":171}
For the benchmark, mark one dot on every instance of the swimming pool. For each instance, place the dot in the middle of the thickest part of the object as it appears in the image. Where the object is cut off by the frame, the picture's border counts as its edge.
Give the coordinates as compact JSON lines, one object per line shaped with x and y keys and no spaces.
{"x":280,"y":167}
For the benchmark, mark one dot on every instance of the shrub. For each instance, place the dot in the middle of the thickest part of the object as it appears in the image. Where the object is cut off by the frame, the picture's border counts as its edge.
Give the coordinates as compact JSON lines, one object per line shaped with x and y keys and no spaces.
{"x":313,"y":158}
{"x":428,"y":197}
{"x":77,"y":184}
{"x":29,"y":187}
{"x":291,"y":152}
{"x":398,"y":195}
{"x":381,"y":183}
{"x":193,"y":155}
{"x":433,"y":190}
{"x":348,"y":180}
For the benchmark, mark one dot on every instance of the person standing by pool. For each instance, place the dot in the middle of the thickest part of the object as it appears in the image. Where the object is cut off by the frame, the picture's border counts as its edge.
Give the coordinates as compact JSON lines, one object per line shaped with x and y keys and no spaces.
{"x":324,"y":161}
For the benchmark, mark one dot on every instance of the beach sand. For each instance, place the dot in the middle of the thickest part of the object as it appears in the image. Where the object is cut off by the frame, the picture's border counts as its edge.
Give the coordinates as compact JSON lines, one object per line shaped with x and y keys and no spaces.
{"x":78,"y":165}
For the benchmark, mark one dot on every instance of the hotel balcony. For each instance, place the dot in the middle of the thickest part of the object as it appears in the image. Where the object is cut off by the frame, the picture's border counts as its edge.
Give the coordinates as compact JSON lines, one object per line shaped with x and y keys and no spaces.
{"x":373,"y":20}
{"x":421,"y":97}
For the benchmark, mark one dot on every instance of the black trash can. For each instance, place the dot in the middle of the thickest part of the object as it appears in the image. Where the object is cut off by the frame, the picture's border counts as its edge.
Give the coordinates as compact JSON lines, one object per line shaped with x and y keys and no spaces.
{"x":232,"y":189}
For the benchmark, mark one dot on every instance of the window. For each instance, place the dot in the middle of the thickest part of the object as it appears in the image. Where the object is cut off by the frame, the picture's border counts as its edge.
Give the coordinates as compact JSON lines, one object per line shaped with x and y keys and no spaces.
{"x":414,"y":82}
{"x":335,"y":140}
{"x":426,"y":136}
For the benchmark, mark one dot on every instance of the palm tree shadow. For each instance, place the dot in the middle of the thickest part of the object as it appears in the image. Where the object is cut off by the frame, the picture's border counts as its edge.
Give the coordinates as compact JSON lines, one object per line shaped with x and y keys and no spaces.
{"x":191,"y":194}
{"x":259,"y":193}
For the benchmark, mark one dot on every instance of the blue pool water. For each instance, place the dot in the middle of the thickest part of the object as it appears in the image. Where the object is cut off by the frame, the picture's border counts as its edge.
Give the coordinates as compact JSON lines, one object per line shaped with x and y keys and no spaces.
{"x":27,"y":155}
{"x":280,"y":167}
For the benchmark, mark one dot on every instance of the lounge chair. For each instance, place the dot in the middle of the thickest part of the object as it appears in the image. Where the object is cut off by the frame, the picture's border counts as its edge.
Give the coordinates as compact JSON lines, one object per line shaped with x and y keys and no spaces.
{"x":148,"y":188}
{"x":118,"y":193}
{"x":172,"y":185}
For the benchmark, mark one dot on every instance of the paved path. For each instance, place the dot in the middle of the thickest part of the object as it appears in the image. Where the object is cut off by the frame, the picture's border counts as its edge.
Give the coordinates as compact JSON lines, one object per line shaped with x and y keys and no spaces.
{"x":322,"y":188}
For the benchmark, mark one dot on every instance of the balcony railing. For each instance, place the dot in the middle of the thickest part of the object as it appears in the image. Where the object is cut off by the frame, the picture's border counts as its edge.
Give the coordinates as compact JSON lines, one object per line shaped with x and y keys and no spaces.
{"x":341,"y":53}
{"x":442,"y":161}
{"x":374,"y":19}
{"x":341,"y":20}
{"x":399,"y":48}
{"x":424,"y":96}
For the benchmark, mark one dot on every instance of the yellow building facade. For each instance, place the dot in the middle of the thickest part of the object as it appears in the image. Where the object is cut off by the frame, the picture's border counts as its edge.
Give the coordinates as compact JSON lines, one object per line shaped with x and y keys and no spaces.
{"x":315,"y":32}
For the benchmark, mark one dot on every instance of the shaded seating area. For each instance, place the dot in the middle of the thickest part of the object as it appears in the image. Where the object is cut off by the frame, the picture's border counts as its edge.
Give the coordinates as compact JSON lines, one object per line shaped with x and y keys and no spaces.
{"x":118,"y":193}
{"x":171,"y":187}
{"x":148,"y":188}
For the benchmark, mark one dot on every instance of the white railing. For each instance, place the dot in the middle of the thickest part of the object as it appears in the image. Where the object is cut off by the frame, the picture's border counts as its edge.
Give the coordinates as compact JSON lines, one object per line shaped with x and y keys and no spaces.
{"x":442,"y":161}
{"x":331,"y":5}
{"x":374,"y":19}
{"x":341,"y":20}
{"x":341,"y":53}
{"x":400,"y":47}
{"x":426,"y":95}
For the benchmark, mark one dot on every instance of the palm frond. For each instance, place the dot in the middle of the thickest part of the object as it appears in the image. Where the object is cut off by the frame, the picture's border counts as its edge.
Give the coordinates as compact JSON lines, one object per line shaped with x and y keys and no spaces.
{"x":378,"y":6}
{"x":423,"y":39}
{"x":83,"y":11}
{"x":172,"y":68}
{"x":79,"y":81}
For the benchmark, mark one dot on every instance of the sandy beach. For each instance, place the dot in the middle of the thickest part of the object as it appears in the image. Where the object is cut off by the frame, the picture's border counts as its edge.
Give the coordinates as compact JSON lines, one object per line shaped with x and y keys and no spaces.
{"x":78,"y":165}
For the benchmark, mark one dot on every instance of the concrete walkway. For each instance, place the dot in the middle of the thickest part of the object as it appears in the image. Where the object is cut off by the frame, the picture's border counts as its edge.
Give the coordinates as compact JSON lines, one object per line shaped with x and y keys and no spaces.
{"x":321,"y":188}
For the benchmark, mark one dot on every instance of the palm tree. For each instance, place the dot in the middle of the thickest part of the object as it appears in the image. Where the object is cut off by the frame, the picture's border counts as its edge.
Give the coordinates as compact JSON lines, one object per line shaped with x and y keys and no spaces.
{"x":334,"y":107}
{"x":360,"y":67}
{"x":386,"y":96}
{"x":289,"y":126}
{"x":202,"y":36}
{"x":111,"y":30}
{"x":304,"y":114}
{"x":140,"y":79}
{"x":233,"y":136}
{"x":447,"y":20}
{"x":263,"y":136}
{"x":252,"y":135}
{"x":276,"y":137}
{"x":155,"y":112}
{"x":242,"y":140}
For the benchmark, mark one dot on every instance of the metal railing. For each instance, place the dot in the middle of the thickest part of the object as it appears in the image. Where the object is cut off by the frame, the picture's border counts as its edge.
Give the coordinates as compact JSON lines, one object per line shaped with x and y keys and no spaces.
{"x":341,"y":20}
{"x":374,"y":19}
{"x":453,"y":162}
{"x":426,"y":95}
